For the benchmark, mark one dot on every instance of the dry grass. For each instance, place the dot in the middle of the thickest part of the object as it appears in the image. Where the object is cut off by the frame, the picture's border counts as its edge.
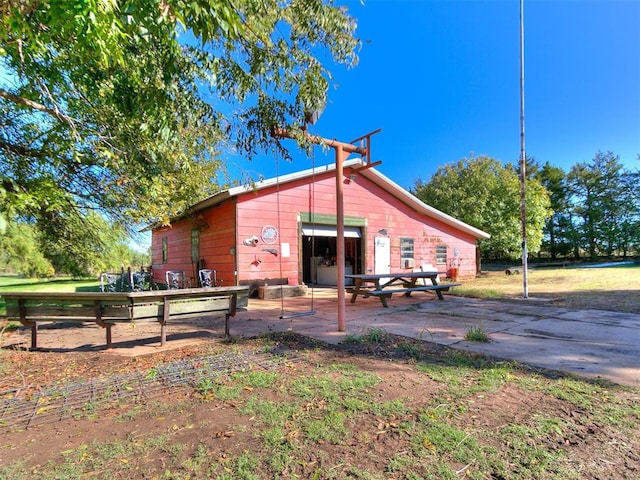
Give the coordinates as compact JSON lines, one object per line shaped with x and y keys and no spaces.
{"x":610,"y":288}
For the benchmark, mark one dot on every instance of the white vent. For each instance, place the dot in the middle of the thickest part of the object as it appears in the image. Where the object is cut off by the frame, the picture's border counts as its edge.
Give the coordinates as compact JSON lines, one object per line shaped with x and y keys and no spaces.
{"x":409,"y":263}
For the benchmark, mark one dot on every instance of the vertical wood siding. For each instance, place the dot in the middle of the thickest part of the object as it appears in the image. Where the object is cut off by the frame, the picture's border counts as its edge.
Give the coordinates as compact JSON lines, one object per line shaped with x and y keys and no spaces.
{"x":229,"y":224}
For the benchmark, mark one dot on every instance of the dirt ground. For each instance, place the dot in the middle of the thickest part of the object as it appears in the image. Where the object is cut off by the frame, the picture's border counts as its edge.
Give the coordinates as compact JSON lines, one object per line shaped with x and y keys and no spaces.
{"x":600,"y":450}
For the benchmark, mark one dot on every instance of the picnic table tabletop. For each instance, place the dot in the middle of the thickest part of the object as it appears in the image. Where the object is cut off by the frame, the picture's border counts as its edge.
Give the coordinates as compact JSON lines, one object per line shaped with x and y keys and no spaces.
{"x":385,"y":284}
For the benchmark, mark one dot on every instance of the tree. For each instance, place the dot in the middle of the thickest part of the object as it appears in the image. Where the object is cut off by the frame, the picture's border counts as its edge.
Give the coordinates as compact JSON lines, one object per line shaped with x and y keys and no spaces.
{"x":558,"y":226}
{"x":20,"y":252}
{"x":486,"y":194}
{"x":629,"y":222}
{"x":83,"y":251}
{"x":122,"y":105}
{"x":599,"y":201}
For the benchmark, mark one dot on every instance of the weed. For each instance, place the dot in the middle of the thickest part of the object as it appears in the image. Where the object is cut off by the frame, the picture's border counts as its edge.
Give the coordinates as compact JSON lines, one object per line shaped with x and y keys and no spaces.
{"x":396,"y":406}
{"x":410,"y":348}
{"x":330,"y":428}
{"x":258,"y":379}
{"x":375,"y":335}
{"x":245,"y":466}
{"x":351,"y":339}
{"x":209,"y":388}
{"x":205,"y":386}
{"x":477,"y":334}
{"x":268,"y":413}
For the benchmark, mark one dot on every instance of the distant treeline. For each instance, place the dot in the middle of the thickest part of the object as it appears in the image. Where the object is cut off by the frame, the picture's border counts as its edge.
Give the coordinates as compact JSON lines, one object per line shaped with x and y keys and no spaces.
{"x":592,"y":211}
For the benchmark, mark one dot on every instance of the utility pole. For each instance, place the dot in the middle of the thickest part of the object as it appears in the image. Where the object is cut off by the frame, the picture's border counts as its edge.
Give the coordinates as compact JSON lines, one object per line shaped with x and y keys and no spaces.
{"x":523,"y":162}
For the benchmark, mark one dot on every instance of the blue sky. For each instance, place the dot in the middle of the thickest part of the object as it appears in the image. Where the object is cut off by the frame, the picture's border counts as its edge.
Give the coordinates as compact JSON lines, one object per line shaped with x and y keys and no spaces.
{"x":441,"y":78}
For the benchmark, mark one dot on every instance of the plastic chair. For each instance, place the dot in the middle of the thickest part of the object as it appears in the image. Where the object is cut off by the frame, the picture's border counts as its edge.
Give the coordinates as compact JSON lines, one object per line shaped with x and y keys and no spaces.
{"x":208,"y":278}
{"x":175,"y":279}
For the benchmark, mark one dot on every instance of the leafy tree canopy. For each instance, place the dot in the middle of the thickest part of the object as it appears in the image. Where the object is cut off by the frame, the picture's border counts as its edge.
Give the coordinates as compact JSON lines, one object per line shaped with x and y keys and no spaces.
{"x":122,"y":105}
{"x":484,"y":193}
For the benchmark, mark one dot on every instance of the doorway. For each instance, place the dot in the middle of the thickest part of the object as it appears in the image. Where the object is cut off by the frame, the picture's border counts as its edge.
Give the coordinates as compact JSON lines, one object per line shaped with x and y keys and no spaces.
{"x":319,"y":253}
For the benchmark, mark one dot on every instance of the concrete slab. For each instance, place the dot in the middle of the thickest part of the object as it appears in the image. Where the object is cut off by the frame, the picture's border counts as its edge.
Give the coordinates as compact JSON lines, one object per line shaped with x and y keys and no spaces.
{"x":591,"y":343}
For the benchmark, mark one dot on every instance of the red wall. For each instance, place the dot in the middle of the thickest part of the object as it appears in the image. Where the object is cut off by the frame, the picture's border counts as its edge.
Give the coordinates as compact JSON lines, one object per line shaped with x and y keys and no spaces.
{"x":384,"y":211}
{"x":280,"y":207}
{"x":217,"y":230}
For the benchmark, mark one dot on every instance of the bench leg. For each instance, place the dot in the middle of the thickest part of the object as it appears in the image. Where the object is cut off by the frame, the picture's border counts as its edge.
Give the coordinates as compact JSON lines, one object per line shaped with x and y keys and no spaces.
{"x":439,"y":293}
{"x":226,"y":325}
{"x":34,"y":336}
{"x":108,"y":328}
{"x":354,"y":294}
{"x":383,"y":299}
{"x":163,"y":322}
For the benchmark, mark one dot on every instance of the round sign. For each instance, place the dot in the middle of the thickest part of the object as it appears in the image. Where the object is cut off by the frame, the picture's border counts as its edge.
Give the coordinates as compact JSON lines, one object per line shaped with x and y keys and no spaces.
{"x":269,"y":234}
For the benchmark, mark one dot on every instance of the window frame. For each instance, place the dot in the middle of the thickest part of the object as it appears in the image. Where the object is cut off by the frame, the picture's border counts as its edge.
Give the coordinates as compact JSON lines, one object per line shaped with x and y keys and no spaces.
{"x":165,"y":249}
{"x":407,"y":248}
{"x":441,"y":254}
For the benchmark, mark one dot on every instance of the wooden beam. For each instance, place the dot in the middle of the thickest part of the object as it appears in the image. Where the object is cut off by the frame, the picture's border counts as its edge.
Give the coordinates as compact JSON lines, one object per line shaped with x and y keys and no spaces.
{"x":346,"y":147}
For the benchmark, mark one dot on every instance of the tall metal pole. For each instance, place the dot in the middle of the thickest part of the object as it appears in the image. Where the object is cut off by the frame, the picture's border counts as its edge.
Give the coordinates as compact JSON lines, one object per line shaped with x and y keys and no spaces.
{"x":523,"y":161}
{"x":341,"y":155}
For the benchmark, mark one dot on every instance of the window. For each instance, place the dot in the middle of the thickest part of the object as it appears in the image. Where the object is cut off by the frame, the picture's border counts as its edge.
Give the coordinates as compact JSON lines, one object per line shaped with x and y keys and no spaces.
{"x":164,"y":250}
{"x":441,"y":254}
{"x":195,"y":245}
{"x":406,"y":253}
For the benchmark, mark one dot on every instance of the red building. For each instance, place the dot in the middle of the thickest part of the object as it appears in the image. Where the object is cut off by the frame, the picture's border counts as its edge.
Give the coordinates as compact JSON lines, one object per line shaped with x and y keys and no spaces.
{"x":284,"y":229}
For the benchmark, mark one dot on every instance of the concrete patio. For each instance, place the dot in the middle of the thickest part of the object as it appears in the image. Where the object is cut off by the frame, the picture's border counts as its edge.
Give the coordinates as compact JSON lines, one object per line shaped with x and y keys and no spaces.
{"x":590,"y":343}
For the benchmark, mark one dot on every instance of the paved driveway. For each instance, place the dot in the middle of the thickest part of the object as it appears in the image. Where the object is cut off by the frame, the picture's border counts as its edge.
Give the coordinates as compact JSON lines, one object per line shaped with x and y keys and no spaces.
{"x":591,"y":343}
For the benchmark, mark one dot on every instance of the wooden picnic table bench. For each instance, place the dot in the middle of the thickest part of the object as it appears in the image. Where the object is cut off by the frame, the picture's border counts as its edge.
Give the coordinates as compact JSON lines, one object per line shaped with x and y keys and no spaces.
{"x":383,"y":285}
{"x":107,"y":309}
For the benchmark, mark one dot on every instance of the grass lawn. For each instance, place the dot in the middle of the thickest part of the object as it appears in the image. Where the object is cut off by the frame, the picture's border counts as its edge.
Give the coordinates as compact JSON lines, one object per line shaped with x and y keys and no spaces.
{"x":11,"y":283}
{"x":608,"y":288}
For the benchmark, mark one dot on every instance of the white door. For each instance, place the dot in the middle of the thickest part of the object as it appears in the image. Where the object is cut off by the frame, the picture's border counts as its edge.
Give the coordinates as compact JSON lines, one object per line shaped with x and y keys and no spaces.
{"x":382,"y":257}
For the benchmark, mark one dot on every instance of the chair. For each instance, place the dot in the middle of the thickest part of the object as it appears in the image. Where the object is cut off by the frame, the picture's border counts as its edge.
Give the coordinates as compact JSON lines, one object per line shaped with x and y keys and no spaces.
{"x":139,"y":280}
{"x":175,"y":279}
{"x":109,"y":282}
{"x":208,"y":278}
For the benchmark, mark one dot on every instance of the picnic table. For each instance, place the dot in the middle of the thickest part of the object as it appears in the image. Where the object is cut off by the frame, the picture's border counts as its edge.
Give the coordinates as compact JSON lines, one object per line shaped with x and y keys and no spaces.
{"x":383,"y":285}
{"x":107,"y":309}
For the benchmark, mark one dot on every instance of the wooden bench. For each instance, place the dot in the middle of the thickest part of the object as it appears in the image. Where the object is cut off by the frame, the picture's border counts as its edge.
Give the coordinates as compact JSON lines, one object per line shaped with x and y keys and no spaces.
{"x":386,"y":293}
{"x":109,"y":309}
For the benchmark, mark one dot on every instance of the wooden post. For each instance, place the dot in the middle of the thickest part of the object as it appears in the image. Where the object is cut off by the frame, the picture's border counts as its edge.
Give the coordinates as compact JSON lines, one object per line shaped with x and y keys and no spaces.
{"x":233,"y":308}
{"x":97,"y":308}
{"x":22,"y":311}
{"x":342,"y":152}
{"x":341,"y":155}
{"x":163,"y":322}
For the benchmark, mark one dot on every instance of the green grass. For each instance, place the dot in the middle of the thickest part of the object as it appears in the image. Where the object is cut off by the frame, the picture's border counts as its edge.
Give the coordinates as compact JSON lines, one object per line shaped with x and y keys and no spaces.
{"x":291,"y":419}
{"x":67,"y":284}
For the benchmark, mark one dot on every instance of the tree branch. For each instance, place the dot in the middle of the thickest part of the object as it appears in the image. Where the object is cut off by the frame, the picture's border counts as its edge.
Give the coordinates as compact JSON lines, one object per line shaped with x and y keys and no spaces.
{"x":37,"y":106}
{"x":21,"y":150}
